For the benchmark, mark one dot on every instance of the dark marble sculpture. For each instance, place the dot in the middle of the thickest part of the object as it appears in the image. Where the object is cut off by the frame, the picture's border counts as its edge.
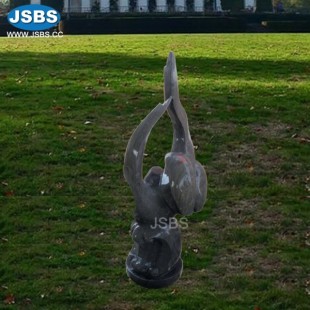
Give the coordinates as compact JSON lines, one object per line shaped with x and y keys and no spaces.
{"x":181,"y":187}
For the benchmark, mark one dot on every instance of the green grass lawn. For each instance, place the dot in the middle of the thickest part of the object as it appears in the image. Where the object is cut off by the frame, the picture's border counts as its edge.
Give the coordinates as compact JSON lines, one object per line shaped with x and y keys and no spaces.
{"x":67,"y":109}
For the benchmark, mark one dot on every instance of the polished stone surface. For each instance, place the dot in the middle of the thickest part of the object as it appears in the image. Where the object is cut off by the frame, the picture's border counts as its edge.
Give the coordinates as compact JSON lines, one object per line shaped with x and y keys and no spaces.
{"x":180,"y":188}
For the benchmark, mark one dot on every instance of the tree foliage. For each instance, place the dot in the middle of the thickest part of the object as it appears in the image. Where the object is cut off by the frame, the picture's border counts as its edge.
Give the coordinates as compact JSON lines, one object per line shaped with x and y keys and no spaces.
{"x":58,"y":5}
{"x":189,"y":5}
{"x":264,"y":6}
{"x":152,"y":5}
{"x":4,"y":3}
{"x":132,"y":5}
{"x":171,"y":5}
{"x":296,"y":3}
{"x":114,"y":7}
{"x":233,"y":5}
{"x":16,"y":3}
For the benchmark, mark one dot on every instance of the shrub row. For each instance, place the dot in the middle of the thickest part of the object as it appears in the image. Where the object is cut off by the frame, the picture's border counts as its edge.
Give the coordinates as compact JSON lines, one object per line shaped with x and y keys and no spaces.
{"x":153,"y":25}
{"x":238,"y":5}
{"x":287,"y":26}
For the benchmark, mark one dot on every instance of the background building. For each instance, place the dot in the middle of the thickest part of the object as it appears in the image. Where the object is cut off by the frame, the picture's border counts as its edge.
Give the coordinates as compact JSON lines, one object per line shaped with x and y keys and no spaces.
{"x":169,"y":6}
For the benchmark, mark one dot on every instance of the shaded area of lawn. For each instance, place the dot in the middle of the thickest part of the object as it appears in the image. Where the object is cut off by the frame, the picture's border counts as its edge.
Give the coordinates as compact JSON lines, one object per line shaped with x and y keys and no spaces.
{"x":67,"y":111}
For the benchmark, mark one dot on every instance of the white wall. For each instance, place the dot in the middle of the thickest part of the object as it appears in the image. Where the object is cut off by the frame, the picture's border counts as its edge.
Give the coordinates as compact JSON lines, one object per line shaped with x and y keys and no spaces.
{"x":161,"y":6}
{"x":35,"y":2}
{"x":105,"y":5}
{"x":218,"y":5}
{"x":65,"y":5}
{"x":123,"y":5}
{"x":86,"y":7}
{"x":250,"y":4}
{"x":180,"y":5}
{"x":142,"y":6}
{"x":198,"y":6}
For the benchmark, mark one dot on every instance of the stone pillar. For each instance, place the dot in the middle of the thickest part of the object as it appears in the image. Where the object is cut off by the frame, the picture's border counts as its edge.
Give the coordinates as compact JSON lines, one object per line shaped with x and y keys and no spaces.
{"x":250,"y":5}
{"x":104,"y":6}
{"x":161,"y":6}
{"x":86,"y":7}
{"x":123,"y":5}
{"x":66,"y":4}
{"x":218,"y":6}
{"x":180,"y":5}
{"x":198,"y":6}
{"x":142,"y":6}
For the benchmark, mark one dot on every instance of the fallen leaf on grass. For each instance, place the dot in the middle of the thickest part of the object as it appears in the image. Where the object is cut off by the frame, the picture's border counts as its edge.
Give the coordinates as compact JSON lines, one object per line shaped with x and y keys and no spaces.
{"x":300,"y":139}
{"x":58,"y":108}
{"x":249,"y":223}
{"x":59,"y":289}
{"x":97,"y":93}
{"x":250,"y":169}
{"x":9,"y":194}
{"x":59,"y":185}
{"x":250,"y":272}
{"x":101,"y":81}
{"x":303,"y":140}
{"x":27,"y":301}
{"x":195,"y":250}
{"x":9,"y":299}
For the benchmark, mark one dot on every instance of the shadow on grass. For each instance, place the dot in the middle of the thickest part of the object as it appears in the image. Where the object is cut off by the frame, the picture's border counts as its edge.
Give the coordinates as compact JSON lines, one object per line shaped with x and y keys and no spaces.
{"x":247,"y":69}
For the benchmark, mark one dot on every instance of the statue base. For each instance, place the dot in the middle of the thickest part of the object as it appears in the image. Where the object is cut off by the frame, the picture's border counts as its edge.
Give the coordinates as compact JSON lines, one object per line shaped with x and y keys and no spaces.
{"x":160,"y":282}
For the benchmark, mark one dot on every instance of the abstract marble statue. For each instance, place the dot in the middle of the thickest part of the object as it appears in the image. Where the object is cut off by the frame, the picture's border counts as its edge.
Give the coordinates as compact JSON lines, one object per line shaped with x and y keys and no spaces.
{"x":181,"y":187}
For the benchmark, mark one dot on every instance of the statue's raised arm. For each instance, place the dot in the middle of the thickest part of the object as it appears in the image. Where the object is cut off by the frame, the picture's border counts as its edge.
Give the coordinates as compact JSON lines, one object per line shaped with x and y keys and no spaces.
{"x":133,"y":163}
{"x":187,"y":176}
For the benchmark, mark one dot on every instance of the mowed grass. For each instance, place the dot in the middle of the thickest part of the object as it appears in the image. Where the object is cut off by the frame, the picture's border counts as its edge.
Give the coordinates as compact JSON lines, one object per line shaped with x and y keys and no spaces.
{"x":67,"y":109}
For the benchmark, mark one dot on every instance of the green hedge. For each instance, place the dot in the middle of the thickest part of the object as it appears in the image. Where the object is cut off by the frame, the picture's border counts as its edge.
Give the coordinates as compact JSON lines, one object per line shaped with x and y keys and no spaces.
{"x":16,"y":3}
{"x":264,"y":6}
{"x":287,"y":26}
{"x":144,"y":25}
{"x":233,"y":5}
{"x":58,"y":5}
